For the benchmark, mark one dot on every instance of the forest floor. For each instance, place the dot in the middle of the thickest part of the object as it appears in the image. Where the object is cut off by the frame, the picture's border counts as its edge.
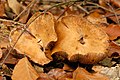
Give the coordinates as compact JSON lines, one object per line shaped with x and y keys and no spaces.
{"x":38,"y":40}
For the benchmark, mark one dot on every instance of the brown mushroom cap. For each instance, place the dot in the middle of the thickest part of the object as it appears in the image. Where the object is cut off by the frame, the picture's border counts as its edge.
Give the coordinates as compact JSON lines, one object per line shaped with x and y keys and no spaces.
{"x":81,"y":40}
{"x":43,"y":28}
{"x":28,"y":45}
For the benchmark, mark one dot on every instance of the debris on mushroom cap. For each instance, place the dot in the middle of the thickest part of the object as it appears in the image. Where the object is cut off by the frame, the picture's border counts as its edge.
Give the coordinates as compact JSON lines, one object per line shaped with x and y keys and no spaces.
{"x":28,"y":45}
{"x":81,"y":40}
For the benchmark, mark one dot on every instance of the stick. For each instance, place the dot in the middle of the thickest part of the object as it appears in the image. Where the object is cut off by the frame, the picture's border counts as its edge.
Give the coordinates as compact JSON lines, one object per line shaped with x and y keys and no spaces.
{"x":29,"y":6}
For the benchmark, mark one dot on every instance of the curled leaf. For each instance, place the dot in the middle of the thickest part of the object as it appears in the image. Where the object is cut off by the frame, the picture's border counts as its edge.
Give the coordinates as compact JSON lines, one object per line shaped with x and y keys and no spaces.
{"x":82,"y":74}
{"x":24,"y":71}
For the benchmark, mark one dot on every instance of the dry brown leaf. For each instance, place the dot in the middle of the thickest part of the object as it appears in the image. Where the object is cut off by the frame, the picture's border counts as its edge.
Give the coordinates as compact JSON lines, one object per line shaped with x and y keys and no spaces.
{"x":68,"y":76}
{"x":1,"y":78}
{"x":56,"y":73}
{"x":103,"y":3}
{"x":59,"y":74}
{"x":111,"y":72}
{"x":10,"y":59}
{"x":2,"y":9}
{"x":113,"y":31}
{"x":112,"y":16}
{"x":44,"y":76}
{"x":81,"y":40}
{"x":24,"y":17}
{"x":82,"y":74}
{"x":24,"y":71}
{"x":97,"y":18}
{"x":28,"y":45}
{"x":43,"y":28}
{"x":15,"y":6}
{"x":115,"y":2}
{"x":114,"y":49}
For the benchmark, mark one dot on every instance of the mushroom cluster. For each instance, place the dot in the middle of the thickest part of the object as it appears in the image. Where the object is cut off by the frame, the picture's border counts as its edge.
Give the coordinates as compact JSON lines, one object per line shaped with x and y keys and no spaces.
{"x":72,"y":36}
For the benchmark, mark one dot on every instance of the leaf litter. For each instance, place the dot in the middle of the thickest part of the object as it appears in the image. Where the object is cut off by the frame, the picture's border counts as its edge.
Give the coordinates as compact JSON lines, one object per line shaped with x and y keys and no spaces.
{"x":67,"y":48}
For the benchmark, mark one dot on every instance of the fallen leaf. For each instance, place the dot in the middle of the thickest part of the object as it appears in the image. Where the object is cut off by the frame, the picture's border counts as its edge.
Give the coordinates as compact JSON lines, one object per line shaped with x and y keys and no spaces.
{"x":67,"y":76}
{"x":8,"y":12}
{"x":97,"y":18}
{"x":29,"y":46}
{"x":24,"y":16}
{"x":81,"y":40}
{"x":112,"y":16}
{"x":115,"y":2}
{"x":113,"y":31}
{"x":82,"y":74}
{"x":15,"y":6}
{"x":111,"y":72}
{"x":60,"y":74}
{"x":44,"y":76}
{"x":43,"y":28}
{"x":10,"y":59}
{"x":1,"y":78}
{"x":106,"y":62}
{"x":2,"y":9}
{"x":56,"y":73}
{"x":114,"y":49}
{"x":103,"y":3}
{"x":24,"y":71}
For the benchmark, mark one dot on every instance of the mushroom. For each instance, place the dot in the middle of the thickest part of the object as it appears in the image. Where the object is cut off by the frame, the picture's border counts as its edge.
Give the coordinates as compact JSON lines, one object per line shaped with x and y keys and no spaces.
{"x":43,"y":28}
{"x":81,"y":40}
{"x":40,"y":34}
{"x":28,"y":45}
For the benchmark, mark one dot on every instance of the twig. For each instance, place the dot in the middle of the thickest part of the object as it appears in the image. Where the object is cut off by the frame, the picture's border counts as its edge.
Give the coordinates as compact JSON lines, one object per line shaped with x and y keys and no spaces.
{"x":11,"y":21}
{"x":76,"y":6}
{"x":12,"y":47}
{"x":99,"y":6}
{"x":110,"y":15}
{"x":29,"y":6}
{"x":64,"y":11}
{"x":83,"y":9}
{"x":118,"y":22}
{"x":59,"y":4}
